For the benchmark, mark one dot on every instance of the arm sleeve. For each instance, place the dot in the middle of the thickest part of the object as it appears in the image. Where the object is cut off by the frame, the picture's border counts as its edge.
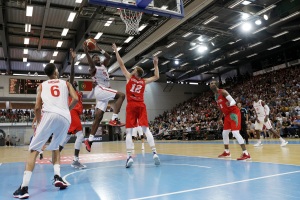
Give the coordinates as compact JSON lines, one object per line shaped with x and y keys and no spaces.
{"x":267,"y":109}
{"x":231,"y":100}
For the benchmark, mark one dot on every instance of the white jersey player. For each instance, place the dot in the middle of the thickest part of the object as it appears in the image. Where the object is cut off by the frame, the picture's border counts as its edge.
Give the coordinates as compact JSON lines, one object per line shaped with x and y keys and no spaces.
{"x":102,"y":92}
{"x":262,"y":112}
{"x":52,"y":99}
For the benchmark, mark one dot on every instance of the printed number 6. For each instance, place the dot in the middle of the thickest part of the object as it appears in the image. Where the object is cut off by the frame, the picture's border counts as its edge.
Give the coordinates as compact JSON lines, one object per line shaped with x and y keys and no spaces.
{"x":55,"y":91}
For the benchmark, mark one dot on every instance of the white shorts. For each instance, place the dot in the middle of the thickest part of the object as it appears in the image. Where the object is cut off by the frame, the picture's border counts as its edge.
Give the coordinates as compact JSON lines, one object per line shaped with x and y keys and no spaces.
{"x":50,"y":123}
{"x":103,"y":95}
{"x":137,"y":130}
{"x":260,"y":125}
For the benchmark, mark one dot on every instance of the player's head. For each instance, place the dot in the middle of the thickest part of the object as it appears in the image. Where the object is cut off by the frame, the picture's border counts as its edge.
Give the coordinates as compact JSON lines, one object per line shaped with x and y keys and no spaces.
{"x":51,"y":70}
{"x":255,"y":97}
{"x":138,"y":72}
{"x":239,"y":105}
{"x":213,"y":85}
{"x":96,"y":59}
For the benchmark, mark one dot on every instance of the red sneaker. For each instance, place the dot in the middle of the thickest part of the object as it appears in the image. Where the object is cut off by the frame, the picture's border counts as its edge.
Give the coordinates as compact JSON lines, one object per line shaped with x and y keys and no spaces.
{"x":88,"y":145}
{"x":116,"y":122}
{"x":244,"y":157}
{"x":225,"y":155}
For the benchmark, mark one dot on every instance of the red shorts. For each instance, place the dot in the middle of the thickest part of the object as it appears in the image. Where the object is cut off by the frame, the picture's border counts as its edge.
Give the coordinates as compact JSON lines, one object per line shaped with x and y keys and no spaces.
{"x":136,"y":115}
{"x":232,"y":121}
{"x":75,"y":122}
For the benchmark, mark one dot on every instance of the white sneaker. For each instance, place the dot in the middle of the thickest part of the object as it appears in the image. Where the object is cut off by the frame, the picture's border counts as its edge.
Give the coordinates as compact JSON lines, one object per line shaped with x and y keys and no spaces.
{"x":284,"y":143}
{"x":129,"y":162}
{"x":156,"y":159}
{"x":258,"y":144}
{"x":132,"y":145}
{"x":143,"y":146}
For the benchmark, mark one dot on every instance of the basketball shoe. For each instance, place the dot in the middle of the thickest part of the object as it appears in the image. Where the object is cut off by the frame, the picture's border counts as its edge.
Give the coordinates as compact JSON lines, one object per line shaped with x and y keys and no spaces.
{"x":224,"y":155}
{"x":88,"y":145}
{"x":156,"y":159}
{"x":284,"y":143}
{"x":21,"y":193}
{"x":59,"y":182}
{"x":129,"y":162}
{"x":115,"y":122}
{"x":244,"y":157}
{"x":258,"y":144}
{"x":78,"y":165}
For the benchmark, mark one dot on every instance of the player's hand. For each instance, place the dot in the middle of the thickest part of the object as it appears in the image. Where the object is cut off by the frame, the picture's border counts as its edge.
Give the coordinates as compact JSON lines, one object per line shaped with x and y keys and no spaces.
{"x":155,"y":60}
{"x":114,"y":47}
{"x":73,"y":54}
{"x":85,"y":48}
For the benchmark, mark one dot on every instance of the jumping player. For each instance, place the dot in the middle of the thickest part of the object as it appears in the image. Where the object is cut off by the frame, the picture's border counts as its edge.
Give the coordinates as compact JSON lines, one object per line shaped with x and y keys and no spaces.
{"x":102,"y":92}
{"x":52,"y":99}
{"x":232,"y":120}
{"x":136,"y":108}
{"x":262,"y":112}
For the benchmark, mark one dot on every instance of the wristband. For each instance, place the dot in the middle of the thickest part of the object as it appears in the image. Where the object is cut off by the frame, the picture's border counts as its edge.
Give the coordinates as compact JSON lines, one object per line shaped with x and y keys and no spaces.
{"x":102,"y":51}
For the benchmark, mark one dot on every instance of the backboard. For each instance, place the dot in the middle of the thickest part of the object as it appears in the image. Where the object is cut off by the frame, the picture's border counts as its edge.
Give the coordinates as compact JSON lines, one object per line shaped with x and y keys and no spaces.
{"x":166,"y":8}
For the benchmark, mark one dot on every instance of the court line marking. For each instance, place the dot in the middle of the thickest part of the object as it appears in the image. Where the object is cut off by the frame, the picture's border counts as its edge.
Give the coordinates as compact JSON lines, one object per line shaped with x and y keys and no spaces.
{"x":84,"y":170}
{"x":214,"y":186}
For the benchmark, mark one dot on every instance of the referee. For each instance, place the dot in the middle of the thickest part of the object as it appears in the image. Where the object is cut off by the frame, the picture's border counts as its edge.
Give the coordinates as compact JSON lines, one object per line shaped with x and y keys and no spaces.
{"x":244,"y":117}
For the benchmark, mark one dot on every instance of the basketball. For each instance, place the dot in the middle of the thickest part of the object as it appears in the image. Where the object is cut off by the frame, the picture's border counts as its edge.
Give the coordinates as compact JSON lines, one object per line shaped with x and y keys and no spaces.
{"x":91,"y":44}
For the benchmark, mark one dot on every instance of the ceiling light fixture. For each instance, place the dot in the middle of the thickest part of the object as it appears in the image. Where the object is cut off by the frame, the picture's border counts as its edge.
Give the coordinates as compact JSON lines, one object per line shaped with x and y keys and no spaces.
{"x":202,"y":48}
{"x":235,"y":25}
{"x":28,"y":64}
{"x":77,"y":63}
{"x":234,"y":62}
{"x":213,"y":51}
{"x":79,"y":67}
{"x":296,"y":39}
{"x":26,"y":40}
{"x":280,"y":34}
{"x":246,"y":2}
{"x":235,"y":4}
{"x":142,"y":27}
{"x":128,"y":39}
{"x":71,"y":16}
{"x":255,"y":44}
{"x":156,"y":53}
{"x":51,"y":61}
{"x":184,"y":64}
{"x":82,"y":56}
{"x":99,"y":34}
{"x":176,"y":62}
{"x":171,"y":44}
{"x":24,"y":59}
{"x":59,"y":43}
{"x":165,"y":62}
{"x":201,"y":66}
{"x":192,"y":48}
{"x":252,"y":55}
{"x":78,"y":1}
{"x":245,"y":16}
{"x":64,"y":32}
{"x":55,"y":53}
{"x":27,"y":28}
{"x":145,"y":60}
{"x":258,"y":30}
{"x":274,"y":47}
{"x":198,"y":58}
{"x":119,"y":48}
{"x":290,"y":16}
{"x":233,"y":53}
{"x":29,"y":10}
{"x":25,"y":51}
{"x":210,"y":20}
{"x":265,"y":9}
{"x":178,"y":55}
{"x":216,"y":60}
{"x":246,"y":26}
{"x":266,"y":17}
{"x":258,"y":22}
{"x":187,"y":34}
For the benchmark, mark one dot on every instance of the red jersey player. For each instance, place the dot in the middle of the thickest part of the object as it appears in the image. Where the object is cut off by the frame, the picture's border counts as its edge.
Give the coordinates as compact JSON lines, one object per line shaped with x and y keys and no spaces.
{"x":76,"y":126}
{"x":232,"y":120}
{"x":136,"y":108}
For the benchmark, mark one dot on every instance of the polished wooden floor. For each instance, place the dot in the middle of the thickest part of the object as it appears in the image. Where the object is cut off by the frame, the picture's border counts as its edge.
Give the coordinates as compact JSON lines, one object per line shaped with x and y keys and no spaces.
{"x":271,"y":151}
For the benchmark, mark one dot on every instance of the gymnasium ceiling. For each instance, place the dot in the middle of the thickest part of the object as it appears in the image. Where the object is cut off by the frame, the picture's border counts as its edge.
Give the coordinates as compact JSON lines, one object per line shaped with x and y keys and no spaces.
{"x":212,"y":24}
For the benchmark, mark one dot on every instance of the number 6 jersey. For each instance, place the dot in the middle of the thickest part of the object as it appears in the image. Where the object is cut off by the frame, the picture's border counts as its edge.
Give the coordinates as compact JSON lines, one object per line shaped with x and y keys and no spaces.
{"x":135,"y":89}
{"x":55,"y":93}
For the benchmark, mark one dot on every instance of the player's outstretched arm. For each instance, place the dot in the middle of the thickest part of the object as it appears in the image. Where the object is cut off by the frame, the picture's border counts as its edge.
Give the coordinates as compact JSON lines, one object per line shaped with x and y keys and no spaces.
{"x":156,"y":71}
{"x":107,"y":56}
{"x":121,"y":63}
{"x":73,"y":95}
{"x":72,"y":74}
{"x":38,"y":105}
{"x":90,"y":60}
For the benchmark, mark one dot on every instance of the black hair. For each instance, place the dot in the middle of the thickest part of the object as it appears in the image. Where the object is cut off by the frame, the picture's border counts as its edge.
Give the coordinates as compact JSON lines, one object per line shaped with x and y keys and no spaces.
{"x":50,"y":69}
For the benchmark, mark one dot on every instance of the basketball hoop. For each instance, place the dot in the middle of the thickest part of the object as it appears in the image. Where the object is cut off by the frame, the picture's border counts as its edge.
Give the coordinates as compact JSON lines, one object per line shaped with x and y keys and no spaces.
{"x":132,"y":20}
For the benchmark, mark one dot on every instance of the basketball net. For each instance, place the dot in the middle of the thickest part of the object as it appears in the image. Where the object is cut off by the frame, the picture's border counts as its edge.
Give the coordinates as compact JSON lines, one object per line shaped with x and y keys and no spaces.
{"x":132,"y":20}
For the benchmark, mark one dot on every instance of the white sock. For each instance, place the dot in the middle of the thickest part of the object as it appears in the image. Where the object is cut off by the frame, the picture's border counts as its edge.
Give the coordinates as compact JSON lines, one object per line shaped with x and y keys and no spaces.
{"x":227,"y":150}
{"x":128,"y":154}
{"x":114,"y":116}
{"x":91,"y":138}
{"x":26,"y":178}
{"x":56,"y":169}
{"x":281,"y":139}
{"x":245,"y":152}
{"x":154,"y":150}
{"x":76,"y":158}
{"x":41,"y":152}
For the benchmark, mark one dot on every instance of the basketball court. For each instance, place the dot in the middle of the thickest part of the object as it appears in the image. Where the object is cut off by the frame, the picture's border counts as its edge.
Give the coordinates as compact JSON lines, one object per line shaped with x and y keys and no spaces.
{"x":188,"y":170}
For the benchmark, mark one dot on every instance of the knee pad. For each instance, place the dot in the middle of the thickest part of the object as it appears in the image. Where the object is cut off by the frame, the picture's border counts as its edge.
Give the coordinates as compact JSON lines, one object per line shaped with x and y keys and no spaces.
{"x":238,"y":137}
{"x":225,"y":135}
